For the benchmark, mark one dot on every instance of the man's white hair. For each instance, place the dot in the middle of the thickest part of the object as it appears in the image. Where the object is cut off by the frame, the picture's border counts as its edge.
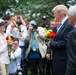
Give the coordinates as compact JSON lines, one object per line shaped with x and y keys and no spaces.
{"x":61,"y":9}
{"x":72,"y":11}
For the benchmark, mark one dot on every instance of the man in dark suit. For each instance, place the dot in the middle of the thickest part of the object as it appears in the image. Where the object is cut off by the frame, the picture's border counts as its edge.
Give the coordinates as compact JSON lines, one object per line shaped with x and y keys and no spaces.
{"x":58,"y":45}
{"x":71,"y":44}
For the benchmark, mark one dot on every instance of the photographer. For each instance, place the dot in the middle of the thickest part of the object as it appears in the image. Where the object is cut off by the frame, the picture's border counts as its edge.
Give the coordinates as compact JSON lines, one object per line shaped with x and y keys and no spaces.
{"x":37,"y":48}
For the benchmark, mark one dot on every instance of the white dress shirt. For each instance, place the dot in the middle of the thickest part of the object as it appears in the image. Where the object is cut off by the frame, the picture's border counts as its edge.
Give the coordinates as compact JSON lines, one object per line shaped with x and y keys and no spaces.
{"x":75,"y":26}
{"x":61,"y":23}
{"x":24,"y":34}
{"x":15,"y":60}
{"x":3,"y":50}
{"x":15,"y":33}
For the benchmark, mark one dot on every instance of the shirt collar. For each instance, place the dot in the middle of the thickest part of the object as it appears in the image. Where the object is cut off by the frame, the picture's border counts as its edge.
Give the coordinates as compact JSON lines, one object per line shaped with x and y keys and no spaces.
{"x":75,"y":26}
{"x":62,"y":22}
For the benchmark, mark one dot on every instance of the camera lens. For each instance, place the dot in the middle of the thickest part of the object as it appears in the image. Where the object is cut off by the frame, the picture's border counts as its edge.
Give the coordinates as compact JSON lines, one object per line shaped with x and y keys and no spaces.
{"x":18,"y":23}
{"x":35,"y":26}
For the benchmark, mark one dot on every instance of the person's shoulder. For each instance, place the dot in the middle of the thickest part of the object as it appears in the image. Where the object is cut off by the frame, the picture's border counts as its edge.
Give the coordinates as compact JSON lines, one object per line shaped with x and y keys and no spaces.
{"x":70,"y":27}
{"x":47,"y":26}
{"x":9,"y":25}
{"x":74,"y":30}
{"x":18,"y":48}
{"x":5,"y":34}
{"x":23,"y":26}
{"x":40,"y":28}
{"x":73,"y":33}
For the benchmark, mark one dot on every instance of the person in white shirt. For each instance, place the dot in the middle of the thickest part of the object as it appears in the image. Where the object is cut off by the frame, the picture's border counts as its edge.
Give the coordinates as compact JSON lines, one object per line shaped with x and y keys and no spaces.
{"x":4,"y":59}
{"x":18,"y":31}
{"x":15,"y":58}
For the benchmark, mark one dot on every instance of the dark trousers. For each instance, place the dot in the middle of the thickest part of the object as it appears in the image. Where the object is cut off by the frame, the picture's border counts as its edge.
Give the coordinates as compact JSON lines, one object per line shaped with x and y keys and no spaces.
{"x":22,"y":59}
{"x":56,"y":74}
{"x":26,"y":66}
{"x":49,"y":67}
{"x":37,"y":65}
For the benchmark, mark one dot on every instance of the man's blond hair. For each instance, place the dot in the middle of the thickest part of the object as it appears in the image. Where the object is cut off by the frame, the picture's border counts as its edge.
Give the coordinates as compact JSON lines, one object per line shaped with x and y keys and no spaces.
{"x":61,"y":9}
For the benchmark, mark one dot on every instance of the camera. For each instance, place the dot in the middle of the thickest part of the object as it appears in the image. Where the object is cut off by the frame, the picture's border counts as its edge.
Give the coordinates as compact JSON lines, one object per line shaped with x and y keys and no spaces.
{"x":18,"y":22}
{"x":35,"y":26}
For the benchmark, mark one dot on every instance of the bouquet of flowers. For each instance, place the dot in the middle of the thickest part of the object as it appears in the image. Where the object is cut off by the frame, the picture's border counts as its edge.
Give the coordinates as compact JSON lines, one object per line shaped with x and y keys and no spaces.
{"x":49,"y":35}
{"x":9,"y":38}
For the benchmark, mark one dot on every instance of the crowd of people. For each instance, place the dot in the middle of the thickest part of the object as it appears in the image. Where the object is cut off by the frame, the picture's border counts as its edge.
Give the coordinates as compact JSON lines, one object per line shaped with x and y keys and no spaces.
{"x":30,"y":50}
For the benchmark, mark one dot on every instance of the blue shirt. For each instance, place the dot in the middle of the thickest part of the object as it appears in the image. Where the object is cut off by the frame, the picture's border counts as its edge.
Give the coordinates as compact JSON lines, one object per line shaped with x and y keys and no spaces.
{"x":15,"y":61}
{"x":34,"y":44}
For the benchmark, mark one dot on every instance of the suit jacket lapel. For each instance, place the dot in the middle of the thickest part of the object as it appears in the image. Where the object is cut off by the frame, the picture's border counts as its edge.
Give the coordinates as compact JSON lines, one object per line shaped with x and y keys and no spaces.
{"x":55,"y":29}
{"x":62,"y":27}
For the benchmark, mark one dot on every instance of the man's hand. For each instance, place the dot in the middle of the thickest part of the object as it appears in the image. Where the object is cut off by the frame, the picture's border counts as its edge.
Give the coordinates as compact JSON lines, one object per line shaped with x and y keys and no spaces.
{"x":9,"y":42}
{"x":30,"y":28}
{"x":19,"y":27}
{"x":48,"y":56}
{"x":48,"y":43}
{"x":37,"y":30}
{"x":13,"y":23}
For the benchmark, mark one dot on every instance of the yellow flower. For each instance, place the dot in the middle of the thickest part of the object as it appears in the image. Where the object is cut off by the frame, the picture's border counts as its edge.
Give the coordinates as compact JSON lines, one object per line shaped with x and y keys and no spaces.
{"x":50,"y":30}
{"x":47,"y":32}
{"x":45,"y":29}
{"x":9,"y":38}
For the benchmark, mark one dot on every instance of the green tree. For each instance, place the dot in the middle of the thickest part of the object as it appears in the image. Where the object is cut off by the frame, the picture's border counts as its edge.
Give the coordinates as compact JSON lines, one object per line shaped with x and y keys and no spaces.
{"x":33,"y":9}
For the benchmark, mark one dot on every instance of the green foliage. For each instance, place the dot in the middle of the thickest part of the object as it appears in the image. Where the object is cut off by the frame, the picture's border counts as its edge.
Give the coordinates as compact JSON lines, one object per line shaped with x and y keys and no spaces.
{"x":34,"y":9}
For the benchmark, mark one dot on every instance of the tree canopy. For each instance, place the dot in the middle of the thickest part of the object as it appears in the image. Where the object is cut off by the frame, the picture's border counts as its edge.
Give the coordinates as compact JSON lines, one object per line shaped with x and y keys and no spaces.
{"x":33,"y":9}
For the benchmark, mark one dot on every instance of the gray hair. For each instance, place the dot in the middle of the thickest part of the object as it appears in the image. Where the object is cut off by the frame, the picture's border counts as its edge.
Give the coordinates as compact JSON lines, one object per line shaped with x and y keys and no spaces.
{"x":72,"y":11}
{"x":61,"y":9}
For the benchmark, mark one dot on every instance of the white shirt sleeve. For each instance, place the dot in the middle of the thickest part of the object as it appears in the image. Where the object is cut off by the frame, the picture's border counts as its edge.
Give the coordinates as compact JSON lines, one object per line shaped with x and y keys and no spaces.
{"x":16,"y":54}
{"x":3,"y":48}
{"x":8,"y":30}
{"x":24,"y":33}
